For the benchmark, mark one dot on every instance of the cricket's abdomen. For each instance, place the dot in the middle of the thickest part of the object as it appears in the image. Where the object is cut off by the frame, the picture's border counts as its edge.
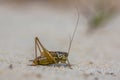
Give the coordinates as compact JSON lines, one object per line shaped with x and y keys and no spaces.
{"x":42,"y":61}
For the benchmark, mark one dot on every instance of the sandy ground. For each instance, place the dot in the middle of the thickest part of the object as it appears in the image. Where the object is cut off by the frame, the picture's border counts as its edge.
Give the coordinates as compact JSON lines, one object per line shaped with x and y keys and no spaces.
{"x":93,"y":57}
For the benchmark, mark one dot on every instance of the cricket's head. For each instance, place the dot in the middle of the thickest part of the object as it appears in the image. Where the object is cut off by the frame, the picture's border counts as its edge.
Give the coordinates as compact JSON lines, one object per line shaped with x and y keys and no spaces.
{"x":62,"y":56}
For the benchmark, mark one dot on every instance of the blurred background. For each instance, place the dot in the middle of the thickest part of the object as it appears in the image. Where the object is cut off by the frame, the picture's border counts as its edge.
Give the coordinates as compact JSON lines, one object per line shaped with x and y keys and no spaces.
{"x":96,"y":41}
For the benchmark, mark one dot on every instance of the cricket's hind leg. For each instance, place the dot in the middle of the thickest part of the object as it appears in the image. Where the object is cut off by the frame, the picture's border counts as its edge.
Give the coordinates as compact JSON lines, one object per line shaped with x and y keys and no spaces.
{"x":43,"y":51}
{"x":36,"y":46}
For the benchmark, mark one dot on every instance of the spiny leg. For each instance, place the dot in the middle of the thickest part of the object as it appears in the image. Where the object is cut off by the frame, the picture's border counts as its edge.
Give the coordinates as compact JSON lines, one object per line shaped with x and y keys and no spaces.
{"x":37,"y":45}
{"x":69,"y":64}
{"x":35,"y":49}
{"x":45,"y":52}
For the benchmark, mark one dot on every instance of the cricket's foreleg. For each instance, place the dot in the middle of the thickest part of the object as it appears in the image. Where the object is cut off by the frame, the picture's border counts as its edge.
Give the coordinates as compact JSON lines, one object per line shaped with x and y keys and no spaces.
{"x":69,"y":64}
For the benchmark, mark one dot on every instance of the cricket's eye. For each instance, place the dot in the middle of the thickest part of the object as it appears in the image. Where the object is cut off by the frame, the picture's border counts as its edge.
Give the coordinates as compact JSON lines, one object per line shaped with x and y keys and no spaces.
{"x":60,"y":56}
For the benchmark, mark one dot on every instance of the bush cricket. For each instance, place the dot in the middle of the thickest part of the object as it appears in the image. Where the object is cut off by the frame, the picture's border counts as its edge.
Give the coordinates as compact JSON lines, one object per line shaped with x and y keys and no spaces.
{"x":52,"y":57}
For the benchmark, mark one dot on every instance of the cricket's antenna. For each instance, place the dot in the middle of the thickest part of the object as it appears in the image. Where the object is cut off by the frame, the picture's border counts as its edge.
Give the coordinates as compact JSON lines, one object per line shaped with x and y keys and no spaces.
{"x":71,"y":39}
{"x":35,"y":48}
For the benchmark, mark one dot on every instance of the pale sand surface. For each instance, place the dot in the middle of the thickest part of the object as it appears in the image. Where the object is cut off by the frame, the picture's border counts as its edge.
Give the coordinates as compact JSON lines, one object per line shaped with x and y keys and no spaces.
{"x":93,"y":57}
